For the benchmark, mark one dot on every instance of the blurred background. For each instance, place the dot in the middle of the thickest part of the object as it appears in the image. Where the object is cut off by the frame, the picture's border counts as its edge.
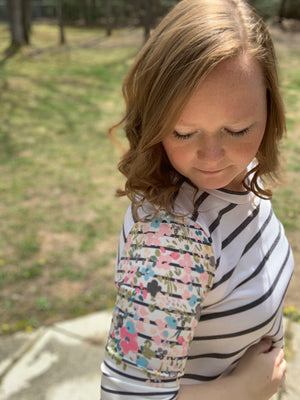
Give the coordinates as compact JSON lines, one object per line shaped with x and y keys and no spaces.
{"x":62,"y":63}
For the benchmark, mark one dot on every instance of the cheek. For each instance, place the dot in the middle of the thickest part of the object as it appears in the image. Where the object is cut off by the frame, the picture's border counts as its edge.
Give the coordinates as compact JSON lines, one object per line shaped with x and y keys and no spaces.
{"x":248,"y":148}
{"x":178,"y":155}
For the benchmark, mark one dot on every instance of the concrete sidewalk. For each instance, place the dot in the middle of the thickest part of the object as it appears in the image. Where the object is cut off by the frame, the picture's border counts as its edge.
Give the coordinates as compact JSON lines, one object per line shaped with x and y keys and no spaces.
{"x":62,"y":362}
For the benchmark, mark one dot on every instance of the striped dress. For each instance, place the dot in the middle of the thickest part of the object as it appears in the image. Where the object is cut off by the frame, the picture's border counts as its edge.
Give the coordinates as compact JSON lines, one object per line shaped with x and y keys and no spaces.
{"x":194,"y":292}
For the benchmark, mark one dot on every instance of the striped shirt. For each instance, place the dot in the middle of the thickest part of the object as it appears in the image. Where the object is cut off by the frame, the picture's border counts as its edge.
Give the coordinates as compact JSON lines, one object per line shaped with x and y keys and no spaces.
{"x":194,"y":292}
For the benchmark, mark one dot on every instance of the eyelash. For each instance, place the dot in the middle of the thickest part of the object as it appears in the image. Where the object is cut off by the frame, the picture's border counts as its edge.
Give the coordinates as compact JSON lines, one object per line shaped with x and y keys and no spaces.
{"x":232,"y":133}
{"x":239,"y":133}
{"x":182,"y":137}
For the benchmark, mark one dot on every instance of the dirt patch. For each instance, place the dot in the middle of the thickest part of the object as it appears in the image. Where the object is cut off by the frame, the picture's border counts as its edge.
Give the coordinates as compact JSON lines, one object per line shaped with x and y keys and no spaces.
{"x":66,"y":289}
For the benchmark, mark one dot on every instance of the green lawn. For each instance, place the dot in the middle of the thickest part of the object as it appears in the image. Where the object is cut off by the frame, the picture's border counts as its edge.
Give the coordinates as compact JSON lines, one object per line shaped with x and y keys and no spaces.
{"x":59,"y":218}
{"x":60,"y":221}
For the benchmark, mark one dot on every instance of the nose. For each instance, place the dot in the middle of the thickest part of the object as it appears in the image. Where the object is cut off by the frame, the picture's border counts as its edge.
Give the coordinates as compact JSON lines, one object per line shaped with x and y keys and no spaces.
{"x":210,"y":149}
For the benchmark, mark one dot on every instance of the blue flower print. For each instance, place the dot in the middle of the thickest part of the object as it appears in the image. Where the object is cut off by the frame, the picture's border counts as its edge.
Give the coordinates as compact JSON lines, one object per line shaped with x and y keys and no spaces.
{"x":148,"y":272}
{"x":199,"y":268}
{"x":141,"y":362}
{"x":171,"y":321}
{"x":156,"y":222}
{"x":193,"y":301}
{"x":130,"y":327}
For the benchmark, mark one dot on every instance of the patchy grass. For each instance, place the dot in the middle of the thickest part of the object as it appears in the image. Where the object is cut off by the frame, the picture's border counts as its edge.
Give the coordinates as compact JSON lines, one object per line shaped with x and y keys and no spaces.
{"x":60,"y":221}
{"x":286,"y":199}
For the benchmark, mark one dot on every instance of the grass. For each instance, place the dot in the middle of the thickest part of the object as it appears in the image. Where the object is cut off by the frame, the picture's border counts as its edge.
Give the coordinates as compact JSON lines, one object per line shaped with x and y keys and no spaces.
{"x":60,"y":221}
{"x":286,"y":199}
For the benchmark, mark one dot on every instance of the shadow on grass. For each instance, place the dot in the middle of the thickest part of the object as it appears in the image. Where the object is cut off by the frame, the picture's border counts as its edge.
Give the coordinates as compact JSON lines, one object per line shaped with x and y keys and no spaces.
{"x":10,"y":52}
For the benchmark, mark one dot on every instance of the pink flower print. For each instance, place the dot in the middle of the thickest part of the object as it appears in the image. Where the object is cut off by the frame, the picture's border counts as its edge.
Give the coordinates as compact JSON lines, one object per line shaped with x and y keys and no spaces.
{"x":129,"y":338}
{"x":186,"y":294}
{"x":194,"y":324}
{"x":145,"y":228}
{"x":161,"y":300}
{"x":187,"y":270}
{"x":128,"y":243}
{"x":180,"y":340}
{"x":175,"y":255}
{"x":133,"y":269}
{"x":140,"y":326}
{"x":157,"y":340}
{"x":160,"y":324}
{"x":185,"y":348}
{"x":204,"y":278}
{"x":153,"y":239}
{"x":164,"y":230}
{"x":164,"y":262}
{"x":186,"y":278}
{"x":186,"y":261}
{"x":197,"y":226}
{"x":141,"y":311}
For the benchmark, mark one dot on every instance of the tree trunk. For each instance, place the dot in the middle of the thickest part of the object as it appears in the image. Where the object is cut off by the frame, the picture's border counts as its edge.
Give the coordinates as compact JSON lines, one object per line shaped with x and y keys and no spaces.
{"x":62,"y":38}
{"x":19,"y":21}
{"x":108,"y":17}
{"x":26,"y":20}
{"x":93,"y":12}
{"x":281,"y":10}
{"x":147,"y":19}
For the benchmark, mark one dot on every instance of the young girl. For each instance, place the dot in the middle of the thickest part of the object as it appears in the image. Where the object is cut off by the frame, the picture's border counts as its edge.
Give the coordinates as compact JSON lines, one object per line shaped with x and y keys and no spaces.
{"x":203,"y":263}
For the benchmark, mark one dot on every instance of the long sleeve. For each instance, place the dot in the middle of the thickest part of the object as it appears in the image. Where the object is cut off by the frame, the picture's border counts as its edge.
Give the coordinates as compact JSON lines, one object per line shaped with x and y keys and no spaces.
{"x":164,"y":273}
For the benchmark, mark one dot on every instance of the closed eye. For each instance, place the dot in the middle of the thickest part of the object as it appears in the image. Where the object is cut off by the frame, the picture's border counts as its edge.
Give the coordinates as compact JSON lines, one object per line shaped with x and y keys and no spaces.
{"x":182,"y":136}
{"x":238,"y":133}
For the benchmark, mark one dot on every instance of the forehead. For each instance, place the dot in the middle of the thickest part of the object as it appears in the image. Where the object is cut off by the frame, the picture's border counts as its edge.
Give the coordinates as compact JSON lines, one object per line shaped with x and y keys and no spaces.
{"x":233,"y":90}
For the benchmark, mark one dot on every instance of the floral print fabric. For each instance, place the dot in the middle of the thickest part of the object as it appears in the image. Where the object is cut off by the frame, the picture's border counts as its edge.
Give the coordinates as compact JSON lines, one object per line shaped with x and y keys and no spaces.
{"x":166,"y":269}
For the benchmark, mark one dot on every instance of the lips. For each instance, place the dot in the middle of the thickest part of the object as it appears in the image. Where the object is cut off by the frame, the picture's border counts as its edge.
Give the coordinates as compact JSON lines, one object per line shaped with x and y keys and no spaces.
{"x":210,"y":172}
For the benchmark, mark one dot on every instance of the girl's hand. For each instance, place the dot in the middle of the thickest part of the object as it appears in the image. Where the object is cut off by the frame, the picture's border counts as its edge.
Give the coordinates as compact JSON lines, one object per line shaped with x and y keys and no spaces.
{"x":260,"y":371}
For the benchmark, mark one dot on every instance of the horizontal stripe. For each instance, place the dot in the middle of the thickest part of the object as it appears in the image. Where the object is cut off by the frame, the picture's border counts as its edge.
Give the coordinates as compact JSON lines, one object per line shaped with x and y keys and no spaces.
{"x":240,"y":228}
{"x":218,"y":356}
{"x":252,"y":304}
{"x":238,"y":333}
{"x":198,"y":202}
{"x":258,"y":234}
{"x":263,"y":262}
{"x":134,"y":377}
{"x":217,"y":221}
{"x":138,"y":393}
{"x":203,"y":378}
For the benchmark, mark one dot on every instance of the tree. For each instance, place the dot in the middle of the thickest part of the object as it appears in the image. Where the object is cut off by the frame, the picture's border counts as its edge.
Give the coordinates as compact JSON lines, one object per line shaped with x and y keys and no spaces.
{"x":62,"y":38}
{"x":147,"y":19}
{"x":19,"y":13}
{"x":108,"y":17}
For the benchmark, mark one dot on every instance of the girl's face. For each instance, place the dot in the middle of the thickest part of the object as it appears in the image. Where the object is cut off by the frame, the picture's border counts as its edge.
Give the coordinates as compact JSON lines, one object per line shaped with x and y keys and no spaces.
{"x":220,"y":130}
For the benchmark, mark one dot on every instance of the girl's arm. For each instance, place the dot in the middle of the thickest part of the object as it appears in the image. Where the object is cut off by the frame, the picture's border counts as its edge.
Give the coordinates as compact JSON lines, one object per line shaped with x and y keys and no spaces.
{"x":257,"y":376}
{"x":165,"y":271}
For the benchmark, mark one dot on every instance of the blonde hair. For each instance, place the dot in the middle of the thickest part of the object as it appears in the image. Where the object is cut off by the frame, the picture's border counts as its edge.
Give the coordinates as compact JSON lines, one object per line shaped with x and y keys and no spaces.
{"x":188,"y":43}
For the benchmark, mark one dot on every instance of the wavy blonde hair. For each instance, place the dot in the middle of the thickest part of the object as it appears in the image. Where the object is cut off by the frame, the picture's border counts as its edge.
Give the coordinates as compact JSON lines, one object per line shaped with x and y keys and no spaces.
{"x":188,"y":43}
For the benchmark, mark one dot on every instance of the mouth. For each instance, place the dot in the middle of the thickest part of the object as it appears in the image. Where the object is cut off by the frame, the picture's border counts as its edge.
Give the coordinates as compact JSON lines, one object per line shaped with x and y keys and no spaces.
{"x":208,"y":172}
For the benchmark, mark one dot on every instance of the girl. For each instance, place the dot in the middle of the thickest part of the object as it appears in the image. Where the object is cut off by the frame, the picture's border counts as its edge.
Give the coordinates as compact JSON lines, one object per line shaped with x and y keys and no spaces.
{"x":203,"y":263}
